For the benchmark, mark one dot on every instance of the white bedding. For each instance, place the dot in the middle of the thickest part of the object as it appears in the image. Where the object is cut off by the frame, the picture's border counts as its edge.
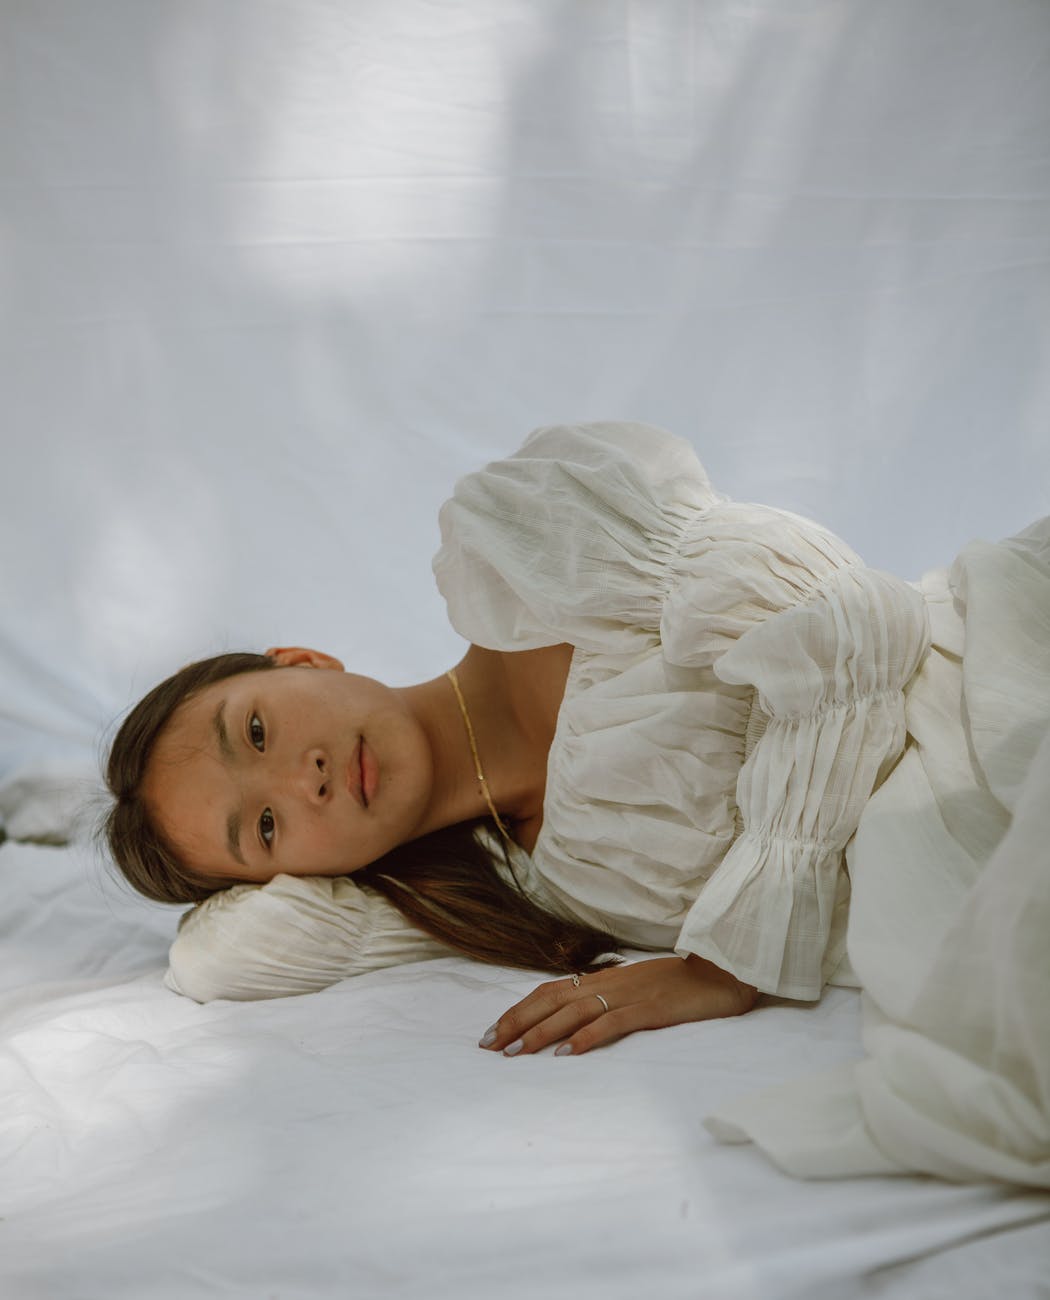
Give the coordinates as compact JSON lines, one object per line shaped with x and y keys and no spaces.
{"x":356,"y":1142}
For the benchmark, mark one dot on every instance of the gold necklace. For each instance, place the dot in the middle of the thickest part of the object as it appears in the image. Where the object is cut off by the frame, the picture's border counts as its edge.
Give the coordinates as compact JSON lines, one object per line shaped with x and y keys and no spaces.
{"x":477,"y":761}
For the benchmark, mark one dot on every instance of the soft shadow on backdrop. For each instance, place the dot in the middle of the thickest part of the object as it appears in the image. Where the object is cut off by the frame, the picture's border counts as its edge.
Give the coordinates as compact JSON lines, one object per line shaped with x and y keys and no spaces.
{"x":275,"y":275}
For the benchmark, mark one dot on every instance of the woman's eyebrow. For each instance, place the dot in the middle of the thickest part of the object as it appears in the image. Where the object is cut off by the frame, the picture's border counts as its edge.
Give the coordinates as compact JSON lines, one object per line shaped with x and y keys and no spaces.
{"x":218,"y":723}
{"x":233,"y":822}
{"x":233,"y":837}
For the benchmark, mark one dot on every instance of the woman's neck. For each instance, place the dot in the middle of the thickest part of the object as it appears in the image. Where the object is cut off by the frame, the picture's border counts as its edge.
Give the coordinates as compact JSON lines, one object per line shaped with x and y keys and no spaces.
{"x":512,"y":700}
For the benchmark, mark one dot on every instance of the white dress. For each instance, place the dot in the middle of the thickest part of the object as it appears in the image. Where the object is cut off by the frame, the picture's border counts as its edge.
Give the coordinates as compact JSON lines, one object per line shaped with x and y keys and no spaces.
{"x":749,"y":706}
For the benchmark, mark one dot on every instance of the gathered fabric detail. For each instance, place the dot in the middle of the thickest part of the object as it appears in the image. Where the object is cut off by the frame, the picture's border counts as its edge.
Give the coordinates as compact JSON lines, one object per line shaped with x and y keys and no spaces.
{"x":830,"y":673}
{"x":769,"y":914}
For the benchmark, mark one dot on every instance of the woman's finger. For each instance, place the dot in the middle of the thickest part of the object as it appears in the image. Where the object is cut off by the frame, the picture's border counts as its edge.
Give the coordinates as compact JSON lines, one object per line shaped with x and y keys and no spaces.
{"x":555,"y":1027}
{"x":532,"y":1010}
{"x":607,"y":1029}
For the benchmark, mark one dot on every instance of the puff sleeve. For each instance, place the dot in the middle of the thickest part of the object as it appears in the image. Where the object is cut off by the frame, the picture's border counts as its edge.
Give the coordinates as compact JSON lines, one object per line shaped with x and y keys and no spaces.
{"x":295,"y":934}
{"x":829,"y":673}
{"x":570,"y":539}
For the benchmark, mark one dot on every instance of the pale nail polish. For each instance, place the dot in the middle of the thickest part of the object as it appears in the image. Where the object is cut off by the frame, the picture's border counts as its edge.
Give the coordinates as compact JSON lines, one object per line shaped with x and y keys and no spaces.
{"x":488,"y":1037}
{"x":564,"y":1050}
{"x":513,"y":1048}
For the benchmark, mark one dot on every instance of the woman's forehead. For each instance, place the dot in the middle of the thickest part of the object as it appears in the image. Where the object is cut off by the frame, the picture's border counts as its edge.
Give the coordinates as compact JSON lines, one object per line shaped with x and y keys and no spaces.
{"x":204,"y":704}
{"x":192,"y":728}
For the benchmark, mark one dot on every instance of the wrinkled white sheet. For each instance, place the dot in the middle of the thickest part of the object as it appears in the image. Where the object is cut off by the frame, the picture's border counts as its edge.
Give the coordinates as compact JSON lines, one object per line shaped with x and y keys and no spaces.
{"x":357,"y":1142}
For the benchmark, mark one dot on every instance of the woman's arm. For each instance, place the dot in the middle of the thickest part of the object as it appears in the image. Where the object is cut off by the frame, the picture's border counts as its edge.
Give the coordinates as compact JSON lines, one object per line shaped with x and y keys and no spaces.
{"x":295,"y":934}
{"x":643,"y":995}
{"x":829,"y":675}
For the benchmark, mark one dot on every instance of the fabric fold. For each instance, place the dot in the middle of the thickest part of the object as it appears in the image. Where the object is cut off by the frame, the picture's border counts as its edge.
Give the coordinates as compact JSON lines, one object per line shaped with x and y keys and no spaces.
{"x":950,"y":910}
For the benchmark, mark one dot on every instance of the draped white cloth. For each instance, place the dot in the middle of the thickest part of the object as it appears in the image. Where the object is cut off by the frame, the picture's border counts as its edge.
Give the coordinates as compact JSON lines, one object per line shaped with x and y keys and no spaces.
{"x":950,"y":911}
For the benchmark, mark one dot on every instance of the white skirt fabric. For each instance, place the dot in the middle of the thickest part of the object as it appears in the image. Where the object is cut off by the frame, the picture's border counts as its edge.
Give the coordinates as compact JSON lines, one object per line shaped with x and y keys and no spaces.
{"x":949,"y":931}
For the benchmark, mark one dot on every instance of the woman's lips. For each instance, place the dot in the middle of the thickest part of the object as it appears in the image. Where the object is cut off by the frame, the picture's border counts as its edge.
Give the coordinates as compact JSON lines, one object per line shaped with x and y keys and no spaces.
{"x":362,"y":777}
{"x":355,"y":776}
{"x":369,"y":773}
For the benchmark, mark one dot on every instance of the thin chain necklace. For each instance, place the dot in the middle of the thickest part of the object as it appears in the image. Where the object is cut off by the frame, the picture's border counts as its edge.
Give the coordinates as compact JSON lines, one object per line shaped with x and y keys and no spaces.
{"x":477,"y":761}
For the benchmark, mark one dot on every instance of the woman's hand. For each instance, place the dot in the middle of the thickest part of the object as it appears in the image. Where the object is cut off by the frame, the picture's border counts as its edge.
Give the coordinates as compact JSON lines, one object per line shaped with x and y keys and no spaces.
{"x":644,"y":995}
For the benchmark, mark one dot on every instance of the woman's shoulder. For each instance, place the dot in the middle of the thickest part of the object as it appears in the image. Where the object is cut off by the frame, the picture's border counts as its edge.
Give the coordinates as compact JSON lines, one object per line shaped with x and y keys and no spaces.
{"x":568,"y":538}
{"x":292,"y":935}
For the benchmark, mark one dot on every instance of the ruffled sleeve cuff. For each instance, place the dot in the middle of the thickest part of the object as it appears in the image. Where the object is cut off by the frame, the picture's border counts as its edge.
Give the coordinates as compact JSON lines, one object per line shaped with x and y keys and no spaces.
{"x":295,"y":934}
{"x":774,"y":915}
{"x":829,"y":673}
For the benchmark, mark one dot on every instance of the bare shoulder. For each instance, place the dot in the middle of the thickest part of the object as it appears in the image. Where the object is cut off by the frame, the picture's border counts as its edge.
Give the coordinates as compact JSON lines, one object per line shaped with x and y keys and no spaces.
{"x":536,"y":686}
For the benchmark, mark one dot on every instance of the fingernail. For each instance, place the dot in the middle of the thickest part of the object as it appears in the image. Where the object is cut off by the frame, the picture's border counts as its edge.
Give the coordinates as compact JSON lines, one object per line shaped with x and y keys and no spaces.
{"x":514,"y":1048}
{"x":564,"y":1050}
{"x":488,"y":1037}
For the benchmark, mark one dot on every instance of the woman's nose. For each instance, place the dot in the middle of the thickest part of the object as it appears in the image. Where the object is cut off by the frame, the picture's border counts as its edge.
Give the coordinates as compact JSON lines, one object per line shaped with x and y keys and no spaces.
{"x":314,"y":779}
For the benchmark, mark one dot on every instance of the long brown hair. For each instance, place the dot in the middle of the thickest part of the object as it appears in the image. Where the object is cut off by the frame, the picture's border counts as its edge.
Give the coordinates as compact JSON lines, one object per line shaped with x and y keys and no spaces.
{"x":445,"y":883}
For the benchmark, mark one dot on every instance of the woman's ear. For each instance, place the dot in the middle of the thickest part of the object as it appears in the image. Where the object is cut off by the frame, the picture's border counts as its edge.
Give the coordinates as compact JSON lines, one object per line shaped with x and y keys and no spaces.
{"x":297,"y":656}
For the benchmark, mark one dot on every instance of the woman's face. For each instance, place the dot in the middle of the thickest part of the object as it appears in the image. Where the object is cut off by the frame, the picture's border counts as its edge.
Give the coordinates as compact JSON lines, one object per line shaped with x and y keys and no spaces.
{"x":306,"y":770}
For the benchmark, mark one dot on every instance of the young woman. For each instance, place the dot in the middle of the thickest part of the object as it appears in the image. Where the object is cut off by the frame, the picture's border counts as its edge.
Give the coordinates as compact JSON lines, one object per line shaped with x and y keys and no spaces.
{"x":671,"y":720}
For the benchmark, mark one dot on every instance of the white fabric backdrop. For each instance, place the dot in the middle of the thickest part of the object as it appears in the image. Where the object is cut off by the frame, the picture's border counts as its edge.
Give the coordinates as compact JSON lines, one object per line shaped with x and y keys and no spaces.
{"x":273,"y":274}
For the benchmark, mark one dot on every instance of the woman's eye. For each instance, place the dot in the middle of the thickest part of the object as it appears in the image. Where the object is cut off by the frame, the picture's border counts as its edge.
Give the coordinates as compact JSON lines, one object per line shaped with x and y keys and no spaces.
{"x":257,"y":732}
{"x":267,"y":826}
